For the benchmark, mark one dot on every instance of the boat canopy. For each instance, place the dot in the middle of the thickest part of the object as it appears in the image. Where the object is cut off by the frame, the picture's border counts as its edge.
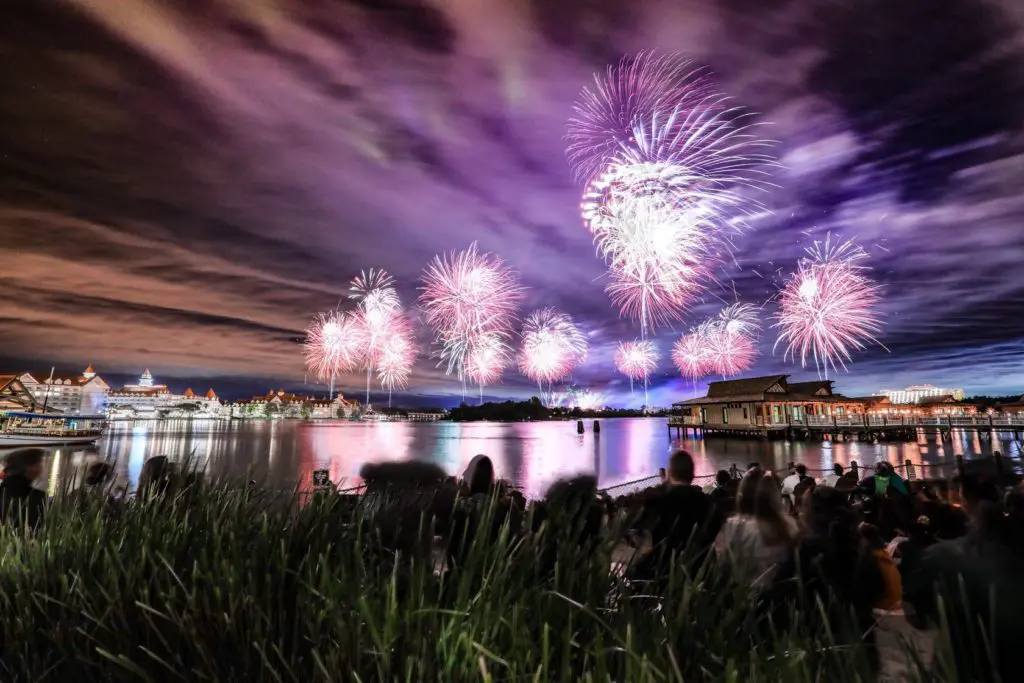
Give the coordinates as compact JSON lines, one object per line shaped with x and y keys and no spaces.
{"x":53,"y":416}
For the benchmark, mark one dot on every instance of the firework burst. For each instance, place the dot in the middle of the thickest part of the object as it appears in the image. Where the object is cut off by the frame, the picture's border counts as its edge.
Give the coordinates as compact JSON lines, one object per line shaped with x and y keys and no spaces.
{"x":333,"y":346}
{"x":488,"y":356}
{"x":656,"y":258}
{"x":552,"y":346}
{"x":691,"y":356}
{"x":637,"y":360}
{"x":397,"y":355}
{"x":470,"y":300}
{"x":828,"y":307}
{"x":379,"y":313}
{"x":667,"y":162}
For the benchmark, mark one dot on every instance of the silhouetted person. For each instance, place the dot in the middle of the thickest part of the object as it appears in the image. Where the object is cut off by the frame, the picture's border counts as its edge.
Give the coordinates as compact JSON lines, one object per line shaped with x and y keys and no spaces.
{"x":569,"y":520}
{"x":831,"y":564}
{"x":681,"y":516}
{"x":760,"y":536}
{"x":20,"y":502}
{"x":723,"y":495}
{"x":156,"y":478}
{"x":479,"y":476}
{"x":832,"y":479}
{"x":978,"y":577}
{"x":98,"y":475}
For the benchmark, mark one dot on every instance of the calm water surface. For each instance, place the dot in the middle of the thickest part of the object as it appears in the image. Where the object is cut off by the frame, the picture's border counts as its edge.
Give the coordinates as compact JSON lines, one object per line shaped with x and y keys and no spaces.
{"x":532,"y":455}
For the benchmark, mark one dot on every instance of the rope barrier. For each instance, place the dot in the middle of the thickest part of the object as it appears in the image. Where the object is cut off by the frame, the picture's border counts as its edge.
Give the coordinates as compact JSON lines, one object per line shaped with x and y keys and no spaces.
{"x":907,"y":467}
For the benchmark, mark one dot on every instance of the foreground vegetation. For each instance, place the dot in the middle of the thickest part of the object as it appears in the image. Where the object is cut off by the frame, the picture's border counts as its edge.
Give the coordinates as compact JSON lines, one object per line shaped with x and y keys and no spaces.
{"x":224,"y":585}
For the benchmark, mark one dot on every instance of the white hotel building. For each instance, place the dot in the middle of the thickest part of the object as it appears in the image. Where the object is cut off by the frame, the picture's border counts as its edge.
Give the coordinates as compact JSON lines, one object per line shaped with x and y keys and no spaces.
{"x":914,"y":394}
{"x":83,"y":394}
{"x":148,"y":399}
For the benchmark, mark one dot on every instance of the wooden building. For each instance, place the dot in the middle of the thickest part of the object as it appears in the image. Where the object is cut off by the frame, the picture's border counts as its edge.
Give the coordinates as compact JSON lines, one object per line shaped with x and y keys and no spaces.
{"x":762,"y":404}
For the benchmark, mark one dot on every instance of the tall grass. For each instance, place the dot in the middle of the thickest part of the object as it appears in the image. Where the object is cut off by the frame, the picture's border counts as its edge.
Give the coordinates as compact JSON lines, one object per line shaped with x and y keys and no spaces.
{"x":243,"y":585}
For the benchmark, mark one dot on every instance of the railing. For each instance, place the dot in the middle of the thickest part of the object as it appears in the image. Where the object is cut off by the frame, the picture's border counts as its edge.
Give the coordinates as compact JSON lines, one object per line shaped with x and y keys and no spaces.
{"x":859,"y":421}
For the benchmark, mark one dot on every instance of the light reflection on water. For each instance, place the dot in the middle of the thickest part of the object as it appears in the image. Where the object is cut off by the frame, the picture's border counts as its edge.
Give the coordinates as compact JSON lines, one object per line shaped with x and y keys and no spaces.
{"x":531,"y":454}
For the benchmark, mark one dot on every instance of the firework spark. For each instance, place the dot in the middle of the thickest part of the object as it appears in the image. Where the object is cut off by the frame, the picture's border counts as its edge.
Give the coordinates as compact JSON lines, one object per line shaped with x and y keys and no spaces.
{"x":552,"y":346}
{"x":828,"y":307}
{"x":333,"y":346}
{"x":470,"y":300}
{"x":584,"y":399}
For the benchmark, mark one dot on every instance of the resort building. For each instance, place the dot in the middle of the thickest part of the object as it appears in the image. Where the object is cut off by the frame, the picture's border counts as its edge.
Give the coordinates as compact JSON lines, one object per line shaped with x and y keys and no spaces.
{"x":83,"y":394}
{"x":772,"y":402}
{"x":146,"y":399}
{"x":280,"y":404}
{"x":767,"y":401}
{"x":917,"y":392}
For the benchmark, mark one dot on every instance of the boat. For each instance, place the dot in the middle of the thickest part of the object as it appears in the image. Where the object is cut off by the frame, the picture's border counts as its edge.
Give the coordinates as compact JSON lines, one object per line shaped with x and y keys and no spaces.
{"x":46,"y":429}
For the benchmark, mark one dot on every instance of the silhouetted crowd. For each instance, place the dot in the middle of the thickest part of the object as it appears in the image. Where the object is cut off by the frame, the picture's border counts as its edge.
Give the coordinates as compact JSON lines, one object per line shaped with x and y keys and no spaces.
{"x":842,"y":549}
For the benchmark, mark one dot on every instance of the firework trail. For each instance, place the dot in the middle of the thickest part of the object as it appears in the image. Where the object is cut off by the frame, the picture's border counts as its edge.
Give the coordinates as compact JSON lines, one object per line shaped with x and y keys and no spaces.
{"x":378,"y":311}
{"x":636,"y":360}
{"x":470,"y":300}
{"x":828,"y":307}
{"x":667,"y":163}
{"x":552,"y":347}
{"x":333,"y":346}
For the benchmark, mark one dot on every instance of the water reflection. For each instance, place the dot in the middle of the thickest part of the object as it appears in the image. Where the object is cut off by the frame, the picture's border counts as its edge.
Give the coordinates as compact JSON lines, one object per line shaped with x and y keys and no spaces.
{"x":531,"y":455}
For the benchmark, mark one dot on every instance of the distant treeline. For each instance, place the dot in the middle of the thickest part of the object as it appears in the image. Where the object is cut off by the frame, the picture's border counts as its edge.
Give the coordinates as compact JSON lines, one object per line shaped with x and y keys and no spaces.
{"x":534,"y":410}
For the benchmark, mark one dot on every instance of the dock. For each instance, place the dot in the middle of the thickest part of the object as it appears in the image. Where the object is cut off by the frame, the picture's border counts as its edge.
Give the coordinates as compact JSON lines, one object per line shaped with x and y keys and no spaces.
{"x":862,"y":427}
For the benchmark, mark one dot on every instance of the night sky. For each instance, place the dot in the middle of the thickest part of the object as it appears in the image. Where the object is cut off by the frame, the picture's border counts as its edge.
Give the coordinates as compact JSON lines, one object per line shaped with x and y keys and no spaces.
{"x":183,"y":184}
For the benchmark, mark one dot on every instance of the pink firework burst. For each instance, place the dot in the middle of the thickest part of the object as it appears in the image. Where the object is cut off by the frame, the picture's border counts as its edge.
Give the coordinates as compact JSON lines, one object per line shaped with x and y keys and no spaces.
{"x":828,"y":307}
{"x":636,"y":359}
{"x":470,"y":300}
{"x":656,"y":259}
{"x":732,"y":339}
{"x":691,"y":356}
{"x":333,"y":346}
{"x":379,"y":312}
{"x":486,"y":359}
{"x":659,"y":112}
{"x":605,"y":116}
{"x":552,"y":346}
{"x":397,"y":355}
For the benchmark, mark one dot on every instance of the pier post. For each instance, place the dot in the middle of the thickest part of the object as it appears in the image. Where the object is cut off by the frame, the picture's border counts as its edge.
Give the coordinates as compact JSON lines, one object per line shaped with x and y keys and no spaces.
{"x":579,"y":427}
{"x":597,"y":427}
{"x":960,"y":465}
{"x":909,"y":469}
{"x":999,"y":464}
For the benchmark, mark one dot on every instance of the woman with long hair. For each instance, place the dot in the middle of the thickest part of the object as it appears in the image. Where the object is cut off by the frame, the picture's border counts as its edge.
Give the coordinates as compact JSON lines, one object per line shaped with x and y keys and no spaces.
{"x":753,"y":543}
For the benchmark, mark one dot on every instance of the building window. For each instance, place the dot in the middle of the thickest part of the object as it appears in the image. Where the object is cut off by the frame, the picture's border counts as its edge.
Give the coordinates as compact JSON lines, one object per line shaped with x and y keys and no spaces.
{"x":725,"y":416}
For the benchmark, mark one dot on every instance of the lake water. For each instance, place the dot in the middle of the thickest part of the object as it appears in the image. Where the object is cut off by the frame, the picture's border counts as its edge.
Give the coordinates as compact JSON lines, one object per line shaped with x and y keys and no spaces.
{"x":532,"y":455}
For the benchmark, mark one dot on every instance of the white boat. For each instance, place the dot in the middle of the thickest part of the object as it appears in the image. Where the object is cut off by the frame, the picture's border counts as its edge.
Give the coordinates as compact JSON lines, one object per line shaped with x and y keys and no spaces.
{"x":44,"y":429}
